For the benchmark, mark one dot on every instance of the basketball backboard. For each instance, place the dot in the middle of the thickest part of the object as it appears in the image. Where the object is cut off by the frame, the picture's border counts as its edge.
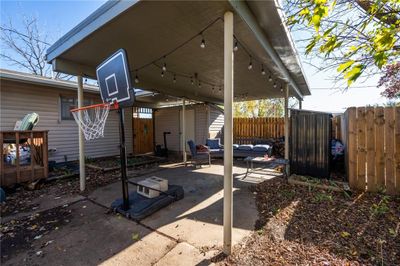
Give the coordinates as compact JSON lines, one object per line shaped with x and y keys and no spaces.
{"x":113,"y":76}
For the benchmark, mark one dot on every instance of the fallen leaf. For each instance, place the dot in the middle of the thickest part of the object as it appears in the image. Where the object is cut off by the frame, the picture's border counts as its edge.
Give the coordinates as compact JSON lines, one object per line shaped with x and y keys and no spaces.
{"x":344,"y":234}
{"x":135,"y":236}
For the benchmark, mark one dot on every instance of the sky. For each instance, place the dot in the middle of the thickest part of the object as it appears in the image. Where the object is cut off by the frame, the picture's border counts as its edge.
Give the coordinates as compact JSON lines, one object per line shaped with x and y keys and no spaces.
{"x":58,"y":17}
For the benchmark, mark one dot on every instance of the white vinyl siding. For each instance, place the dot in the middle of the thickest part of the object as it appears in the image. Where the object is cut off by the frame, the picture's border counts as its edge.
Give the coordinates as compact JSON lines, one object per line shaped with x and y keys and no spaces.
{"x":168,"y":119}
{"x":18,"y":99}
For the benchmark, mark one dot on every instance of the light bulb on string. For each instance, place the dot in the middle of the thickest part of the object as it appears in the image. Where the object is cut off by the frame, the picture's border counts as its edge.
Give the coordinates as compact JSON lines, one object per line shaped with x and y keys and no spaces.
{"x":270,"y":78}
{"x":191,"y":80}
{"x":220,"y":90}
{"x":235,"y":47}
{"x":212,"y":89}
{"x":136,"y":79}
{"x":203,"y":43}
{"x":250,"y":67}
{"x":162,"y":74}
{"x":164,"y":67}
{"x":174,"y":80}
{"x":281,"y":88}
{"x":275,"y":84}
{"x":262,"y":70}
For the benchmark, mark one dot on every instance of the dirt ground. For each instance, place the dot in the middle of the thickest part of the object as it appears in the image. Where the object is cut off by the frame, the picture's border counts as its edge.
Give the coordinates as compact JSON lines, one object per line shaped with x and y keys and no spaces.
{"x":301,"y":225}
{"x":297,"y":225}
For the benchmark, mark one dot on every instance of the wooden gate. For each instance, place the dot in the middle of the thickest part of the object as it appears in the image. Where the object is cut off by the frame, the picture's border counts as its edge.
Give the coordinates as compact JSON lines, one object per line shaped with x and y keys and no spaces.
{"x":142,"y":131}
{"x":373,"y":148}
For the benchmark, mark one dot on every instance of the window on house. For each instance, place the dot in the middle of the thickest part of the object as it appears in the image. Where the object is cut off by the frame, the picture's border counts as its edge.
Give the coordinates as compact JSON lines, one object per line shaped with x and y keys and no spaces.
{"x":68,"y":103}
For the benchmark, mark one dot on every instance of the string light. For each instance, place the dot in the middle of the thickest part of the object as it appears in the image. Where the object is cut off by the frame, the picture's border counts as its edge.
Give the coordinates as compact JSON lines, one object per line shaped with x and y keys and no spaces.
{"x":194,"y":79}
{"x":203,"y":43}
{"x":250,"y":67}
{"x":212,"y":89}
{"x":262,"y":70}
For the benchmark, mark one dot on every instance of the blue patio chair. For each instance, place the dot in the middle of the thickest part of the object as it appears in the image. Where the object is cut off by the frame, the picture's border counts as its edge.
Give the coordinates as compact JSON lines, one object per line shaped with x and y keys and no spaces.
{"x":197,"y":158}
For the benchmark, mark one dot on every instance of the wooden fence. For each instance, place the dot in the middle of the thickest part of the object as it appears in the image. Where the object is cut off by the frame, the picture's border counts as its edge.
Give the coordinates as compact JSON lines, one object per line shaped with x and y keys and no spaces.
{"x":337,"y":127}
{"x":373,"y":148}
{"x":247,"y":129}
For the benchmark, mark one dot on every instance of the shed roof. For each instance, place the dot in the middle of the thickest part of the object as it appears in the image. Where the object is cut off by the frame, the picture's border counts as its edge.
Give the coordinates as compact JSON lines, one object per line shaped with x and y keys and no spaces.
{"x":150,"y":30}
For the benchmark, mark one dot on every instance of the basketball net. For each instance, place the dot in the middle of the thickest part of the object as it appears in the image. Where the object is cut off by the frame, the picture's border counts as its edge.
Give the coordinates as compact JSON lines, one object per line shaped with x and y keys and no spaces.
{"x":92,"y":119}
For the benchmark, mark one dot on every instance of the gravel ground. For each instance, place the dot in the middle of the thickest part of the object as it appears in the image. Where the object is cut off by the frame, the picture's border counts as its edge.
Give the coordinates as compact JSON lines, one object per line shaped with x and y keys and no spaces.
{"x":300,"y":225}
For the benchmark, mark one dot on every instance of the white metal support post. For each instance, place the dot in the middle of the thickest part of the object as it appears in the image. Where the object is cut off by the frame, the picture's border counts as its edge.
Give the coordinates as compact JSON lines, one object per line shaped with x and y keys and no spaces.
{"x":184,"y":132}
{"x":82,"y":175}
{"x":287,"y":126}
{"x":228,"y":135}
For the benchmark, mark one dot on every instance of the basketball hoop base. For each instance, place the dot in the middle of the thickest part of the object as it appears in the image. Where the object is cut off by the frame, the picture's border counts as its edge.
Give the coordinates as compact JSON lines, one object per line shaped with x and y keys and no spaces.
{"x":140,"y":207}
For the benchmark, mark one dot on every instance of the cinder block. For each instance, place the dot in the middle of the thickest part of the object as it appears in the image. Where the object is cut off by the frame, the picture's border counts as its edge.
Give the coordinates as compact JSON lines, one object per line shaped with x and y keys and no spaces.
{"x":144,"y":188}
{"x":163,"y":182}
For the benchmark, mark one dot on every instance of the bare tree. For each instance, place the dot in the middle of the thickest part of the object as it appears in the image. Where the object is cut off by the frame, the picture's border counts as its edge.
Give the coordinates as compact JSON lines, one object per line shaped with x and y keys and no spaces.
{"x":25,"y":48}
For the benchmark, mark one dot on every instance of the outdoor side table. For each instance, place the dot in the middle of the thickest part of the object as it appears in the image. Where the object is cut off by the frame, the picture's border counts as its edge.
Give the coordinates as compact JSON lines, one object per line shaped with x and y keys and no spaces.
{"x":267,"y":163}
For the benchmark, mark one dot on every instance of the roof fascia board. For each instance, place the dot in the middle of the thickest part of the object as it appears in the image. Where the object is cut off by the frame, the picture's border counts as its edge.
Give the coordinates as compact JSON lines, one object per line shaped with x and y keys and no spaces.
{"x":97,"y":19}
{"x":247,"y":16}
{"x":71,"y":68}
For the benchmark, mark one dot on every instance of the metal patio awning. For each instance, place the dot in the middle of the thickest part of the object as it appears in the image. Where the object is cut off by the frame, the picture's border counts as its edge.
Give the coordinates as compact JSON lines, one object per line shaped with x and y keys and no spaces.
{"x":147,"y":30}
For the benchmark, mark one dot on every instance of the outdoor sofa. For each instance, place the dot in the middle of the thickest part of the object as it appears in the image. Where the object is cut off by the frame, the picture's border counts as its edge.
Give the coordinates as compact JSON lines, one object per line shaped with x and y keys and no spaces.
{"x":239,"y":151}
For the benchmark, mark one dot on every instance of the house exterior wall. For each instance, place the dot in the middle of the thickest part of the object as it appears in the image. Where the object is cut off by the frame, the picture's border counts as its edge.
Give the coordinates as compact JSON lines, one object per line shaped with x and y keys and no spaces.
{"x":168,"y":119}
{"x":18,"y":99}
{"x":216,"y":123}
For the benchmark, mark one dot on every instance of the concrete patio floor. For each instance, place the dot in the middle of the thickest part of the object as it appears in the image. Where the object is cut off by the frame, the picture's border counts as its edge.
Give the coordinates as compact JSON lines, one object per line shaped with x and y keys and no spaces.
{"x":187,"y":232}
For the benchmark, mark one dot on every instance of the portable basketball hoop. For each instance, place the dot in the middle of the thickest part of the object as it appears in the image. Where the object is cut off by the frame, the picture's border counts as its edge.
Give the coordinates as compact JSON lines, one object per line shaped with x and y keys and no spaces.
{"x":92,"y":119}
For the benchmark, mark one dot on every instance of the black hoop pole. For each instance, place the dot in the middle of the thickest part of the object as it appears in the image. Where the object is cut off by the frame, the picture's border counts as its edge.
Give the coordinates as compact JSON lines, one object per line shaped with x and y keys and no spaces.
{"x":124,"y":179}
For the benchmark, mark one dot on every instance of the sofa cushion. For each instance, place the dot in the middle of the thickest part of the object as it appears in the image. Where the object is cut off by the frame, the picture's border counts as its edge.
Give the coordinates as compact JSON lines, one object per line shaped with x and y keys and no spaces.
{"x":213,"y":143}
{"x":235,"y":146}
{"x":261,"y":147}
{"x":245,"y":147}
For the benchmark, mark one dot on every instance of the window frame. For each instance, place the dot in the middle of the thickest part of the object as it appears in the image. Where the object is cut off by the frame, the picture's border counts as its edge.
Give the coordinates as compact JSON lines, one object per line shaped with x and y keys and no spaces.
{"x":74,"y":104}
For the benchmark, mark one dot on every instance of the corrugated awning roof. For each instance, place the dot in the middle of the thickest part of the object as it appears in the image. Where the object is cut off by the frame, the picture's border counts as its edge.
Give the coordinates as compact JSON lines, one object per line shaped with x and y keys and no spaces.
{"x":147,"y":30}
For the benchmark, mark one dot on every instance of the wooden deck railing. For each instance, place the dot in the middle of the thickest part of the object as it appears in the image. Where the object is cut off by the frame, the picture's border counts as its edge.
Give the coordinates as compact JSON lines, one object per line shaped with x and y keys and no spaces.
{"x":12,"y":169}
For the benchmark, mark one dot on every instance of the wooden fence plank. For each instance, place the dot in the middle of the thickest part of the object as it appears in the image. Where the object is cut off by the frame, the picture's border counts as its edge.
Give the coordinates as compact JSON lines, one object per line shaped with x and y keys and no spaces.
{"x":397,"y":148}
{"x":379,"y":123}
{"x":351,"y":115}
{"x":389,"y":151}
{"x":361,"y":149}
{"x":370,"y":139}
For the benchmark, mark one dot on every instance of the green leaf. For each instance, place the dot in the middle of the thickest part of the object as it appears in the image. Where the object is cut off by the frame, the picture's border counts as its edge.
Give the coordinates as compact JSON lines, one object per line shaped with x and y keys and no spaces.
{"x":345,"y":66}
{"x":380,"y":59}
{"x":354,"y":73}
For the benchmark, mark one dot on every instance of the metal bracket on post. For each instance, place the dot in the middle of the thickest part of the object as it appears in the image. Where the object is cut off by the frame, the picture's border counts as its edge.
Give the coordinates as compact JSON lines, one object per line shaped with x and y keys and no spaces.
{"x":124,"y":179}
